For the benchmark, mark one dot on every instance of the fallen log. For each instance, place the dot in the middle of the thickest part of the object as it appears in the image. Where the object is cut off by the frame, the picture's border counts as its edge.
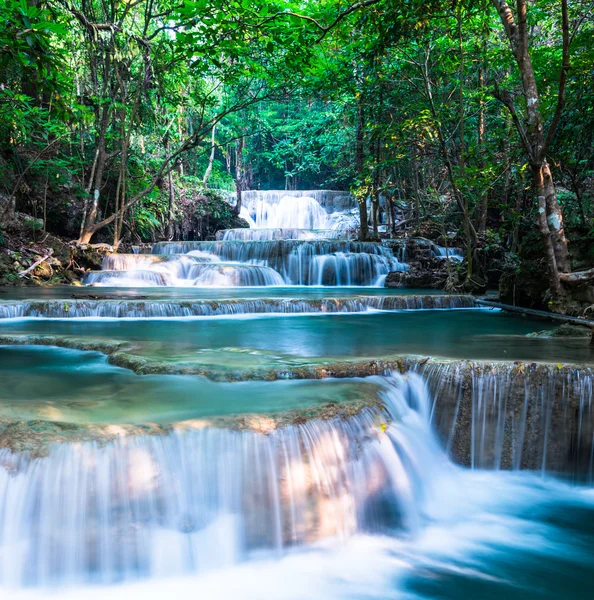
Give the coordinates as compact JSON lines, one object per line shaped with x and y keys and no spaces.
{"x":36,"y":264}
{"x":578,"y":277}
{"x":537,"y":313}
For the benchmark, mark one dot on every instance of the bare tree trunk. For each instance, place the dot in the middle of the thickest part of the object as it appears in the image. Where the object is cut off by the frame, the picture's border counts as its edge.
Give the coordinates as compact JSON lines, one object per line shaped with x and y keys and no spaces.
{"x":555,"y":221}
{"x":211,"y":158}
{"x":482,"y":221}
{"x":364,"y":226}
{"x":375,"y":192}
{"x":239,"y":173}
{"x":96,"y":180}
{"x":390,"y":212}
{"x":471,"y":240}
{"x":415,"y":183}
{"x":45,"y":203}
{"x":553,"y":273}
{"x":532,"y":136}
{"x":171,"y":206}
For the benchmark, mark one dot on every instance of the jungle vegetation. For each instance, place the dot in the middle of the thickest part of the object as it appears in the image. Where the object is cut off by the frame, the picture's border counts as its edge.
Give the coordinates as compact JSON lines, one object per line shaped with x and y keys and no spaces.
{"x":471,"y":115}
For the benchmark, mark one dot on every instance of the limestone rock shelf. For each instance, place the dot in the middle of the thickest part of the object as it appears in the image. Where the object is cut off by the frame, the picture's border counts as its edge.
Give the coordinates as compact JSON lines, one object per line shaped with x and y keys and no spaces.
{"x":109,"y":308}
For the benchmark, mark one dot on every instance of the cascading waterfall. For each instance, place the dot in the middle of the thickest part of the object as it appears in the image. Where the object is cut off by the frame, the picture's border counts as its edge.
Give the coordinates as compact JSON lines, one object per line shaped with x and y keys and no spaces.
{"x":314,"y":209}
{"x":303,"y":262}
{"x":229,"y":275}
{"x":349,"y":268}
{"x":136,"y":278}
{"x":252,"y":263}
{"x":262,"y":235}
{"x":203,"y":498}
{"x":60,"y":309}
{"x":443,"y":252}
{"x":295,"y":238}
{"x":299,"y":213}
{"x":515,"y":416}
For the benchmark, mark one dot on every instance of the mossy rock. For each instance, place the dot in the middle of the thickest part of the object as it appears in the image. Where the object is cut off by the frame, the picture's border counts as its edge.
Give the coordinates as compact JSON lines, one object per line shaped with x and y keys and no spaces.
{"x":564,"y":331}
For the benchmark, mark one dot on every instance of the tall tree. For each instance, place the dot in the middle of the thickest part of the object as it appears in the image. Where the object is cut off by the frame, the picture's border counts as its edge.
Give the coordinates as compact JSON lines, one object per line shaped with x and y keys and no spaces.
{"x":535,"y":135}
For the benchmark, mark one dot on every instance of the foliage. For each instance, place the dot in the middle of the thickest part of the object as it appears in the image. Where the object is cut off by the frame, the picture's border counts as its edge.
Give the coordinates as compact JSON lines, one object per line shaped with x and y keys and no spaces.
{"x":100,"y":100}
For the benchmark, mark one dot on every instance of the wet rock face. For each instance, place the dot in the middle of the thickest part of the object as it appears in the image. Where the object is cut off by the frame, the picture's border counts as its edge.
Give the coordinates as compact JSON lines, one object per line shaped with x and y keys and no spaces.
{"x":428,"y":274}
{"x":427,"y":271}
{"x":525,"y":286}
{"x":514,"y":416}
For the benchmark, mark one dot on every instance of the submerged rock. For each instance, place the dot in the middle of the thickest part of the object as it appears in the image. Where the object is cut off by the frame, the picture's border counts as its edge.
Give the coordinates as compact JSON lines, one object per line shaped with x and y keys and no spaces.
{"x":565,"y":330}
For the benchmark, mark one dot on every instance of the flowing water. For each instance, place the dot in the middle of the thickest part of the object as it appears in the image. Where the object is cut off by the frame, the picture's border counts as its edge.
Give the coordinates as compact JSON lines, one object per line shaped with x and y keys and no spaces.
{"x":191,"y":424}
{"x":301,"y":238}
{"x":368,"y":507}
{"x":475,"y":333}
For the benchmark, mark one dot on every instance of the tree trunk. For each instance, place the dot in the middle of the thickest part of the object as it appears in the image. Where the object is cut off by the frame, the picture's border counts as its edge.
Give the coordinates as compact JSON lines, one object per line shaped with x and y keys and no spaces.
{"x":364,"y":225}
{"x":171,"y":207}
{"x":532,"y":134}
{"x":553,"y":273}
{"x":484,"y":205}
{"x":375,"y":194}
{"x":555,"y":221}
{"x":416,"y":186}
{"x":239,"y":173}
{"x":211,"y":159}
{"x":96,"y":181}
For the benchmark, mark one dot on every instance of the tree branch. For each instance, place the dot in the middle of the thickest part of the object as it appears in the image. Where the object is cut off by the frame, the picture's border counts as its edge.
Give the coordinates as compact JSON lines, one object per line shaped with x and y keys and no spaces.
{"x":325,"y":29}
{"x":562,"y":76}
{"x":505,"y":98}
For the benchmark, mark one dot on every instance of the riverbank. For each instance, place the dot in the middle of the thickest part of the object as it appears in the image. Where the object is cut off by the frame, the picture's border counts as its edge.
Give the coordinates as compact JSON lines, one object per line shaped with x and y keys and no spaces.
{"x":30,"y":257}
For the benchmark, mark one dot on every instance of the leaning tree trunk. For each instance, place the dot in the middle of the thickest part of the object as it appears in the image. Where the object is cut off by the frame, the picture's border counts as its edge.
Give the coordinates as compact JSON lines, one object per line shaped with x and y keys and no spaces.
{"x":171,"y":206}
{"x":547,"y":242}
{"x":239,"y":173}
{"x":555,"y":221}
{"x":210,"y":159}
{"x":531,"y":132}
{"x":91,"y":218}
{"x":96,"y":181}
{"x":362,"y":201}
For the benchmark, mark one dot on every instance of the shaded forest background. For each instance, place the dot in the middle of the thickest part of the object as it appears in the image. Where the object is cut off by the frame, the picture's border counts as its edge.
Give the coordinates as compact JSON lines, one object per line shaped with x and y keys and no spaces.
{"x":121,"y":121}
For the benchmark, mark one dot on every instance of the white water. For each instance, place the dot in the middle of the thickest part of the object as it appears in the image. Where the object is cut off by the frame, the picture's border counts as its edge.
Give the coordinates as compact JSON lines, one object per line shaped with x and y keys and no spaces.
{"x":202,"y":499}
{"x":293,"y":240}
{"x":319,"y":209}
{"x":479,"y":518}
{"x":116,"y":309}
{"x":289,"y":212}
{"x":451,"y":253}
{"x":357,"y":509}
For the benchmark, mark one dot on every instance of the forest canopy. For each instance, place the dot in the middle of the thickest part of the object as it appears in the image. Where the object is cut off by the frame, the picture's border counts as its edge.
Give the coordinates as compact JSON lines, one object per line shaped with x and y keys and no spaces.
{"x":472,"y":115}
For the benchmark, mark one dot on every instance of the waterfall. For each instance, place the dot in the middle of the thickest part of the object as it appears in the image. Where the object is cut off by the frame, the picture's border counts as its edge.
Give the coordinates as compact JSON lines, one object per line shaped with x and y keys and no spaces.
{"x":245,"y":215}
{"x":451,"y":253}
{"x":62,"y":309}
{"x":303,"y":262}
{"x":314,"y":209}
{"x":134,"y":278}
{"x":261,"y":235}
{"x":350,"y":268}
{"x":295,"y":238}
{"x":300,"y":213}
{"x":514,"y":416}
{"x":228,"y":275}
{"x":129,"y":262}
{"x":202,"y":498}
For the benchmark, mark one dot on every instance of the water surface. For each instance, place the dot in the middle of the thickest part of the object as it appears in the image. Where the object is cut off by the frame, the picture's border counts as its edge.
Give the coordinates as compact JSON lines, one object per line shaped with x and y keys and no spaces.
{"x":60,"y":384}
{"x":471,"y":334}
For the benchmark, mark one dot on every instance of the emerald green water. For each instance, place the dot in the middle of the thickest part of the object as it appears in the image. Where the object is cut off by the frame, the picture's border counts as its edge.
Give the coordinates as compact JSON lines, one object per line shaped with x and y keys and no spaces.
{"x":204,"y":293}
{"x":255,"y":341}
{"x":59,"y":384}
